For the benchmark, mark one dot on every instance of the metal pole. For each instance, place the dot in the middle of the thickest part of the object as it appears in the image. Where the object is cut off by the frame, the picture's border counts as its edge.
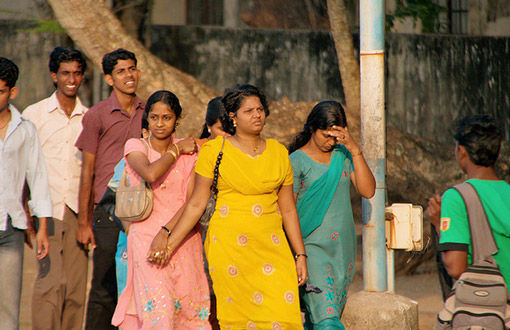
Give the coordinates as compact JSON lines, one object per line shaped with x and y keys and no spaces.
{"x":373,"y":140}
{"x":390,"y":255}
{"x":231,"y":13}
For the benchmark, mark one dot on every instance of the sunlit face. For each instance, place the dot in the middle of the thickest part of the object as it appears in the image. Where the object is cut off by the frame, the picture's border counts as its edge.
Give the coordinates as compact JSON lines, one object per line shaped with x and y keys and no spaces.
{"x":216,"y":130}
{"x":6,"y":94}
{"x":68,"y":78}
{"x":124,"y":77}
{"x":161,"y":120}
{"x":250,"y":117}
{"x":322,"y":140}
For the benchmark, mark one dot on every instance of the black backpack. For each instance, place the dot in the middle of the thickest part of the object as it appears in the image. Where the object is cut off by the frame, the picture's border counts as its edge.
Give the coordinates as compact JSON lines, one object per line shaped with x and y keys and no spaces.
{"x":479,"y":299}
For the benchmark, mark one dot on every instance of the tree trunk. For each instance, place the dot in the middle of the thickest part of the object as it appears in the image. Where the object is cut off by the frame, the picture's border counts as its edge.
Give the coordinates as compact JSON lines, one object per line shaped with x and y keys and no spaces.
{"x":348,"y":65}
{"x":94,"y":28}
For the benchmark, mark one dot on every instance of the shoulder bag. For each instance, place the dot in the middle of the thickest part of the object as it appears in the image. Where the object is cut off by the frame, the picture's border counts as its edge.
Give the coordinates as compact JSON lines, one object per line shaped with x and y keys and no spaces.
{"x":479,"y":299}
{"x":133,"y":203}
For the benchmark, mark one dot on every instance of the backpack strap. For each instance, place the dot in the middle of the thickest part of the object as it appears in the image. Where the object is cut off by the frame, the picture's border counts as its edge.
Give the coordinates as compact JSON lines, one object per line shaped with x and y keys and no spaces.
{"x":482,"y":238}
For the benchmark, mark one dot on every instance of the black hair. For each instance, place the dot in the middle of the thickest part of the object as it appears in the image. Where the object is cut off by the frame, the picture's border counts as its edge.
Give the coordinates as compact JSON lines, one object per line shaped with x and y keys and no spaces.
{"x":9,"y":72}
{"x":61,"y":54}
{"x":481,"y":137}
{"x":232,"y":102}
{"x":111,"y":59}
{"x":214,"y":111}
{"x":324,"y":115}
{"x":167,"y":98}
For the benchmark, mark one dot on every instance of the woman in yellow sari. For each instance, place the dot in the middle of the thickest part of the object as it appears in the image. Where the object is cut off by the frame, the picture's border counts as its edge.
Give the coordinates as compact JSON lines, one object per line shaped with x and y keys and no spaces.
{"x":255,"y":275}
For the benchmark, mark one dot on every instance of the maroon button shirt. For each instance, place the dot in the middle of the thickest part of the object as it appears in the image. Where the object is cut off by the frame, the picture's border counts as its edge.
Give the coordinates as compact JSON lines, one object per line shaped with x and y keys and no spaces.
{"x":106,"y":128}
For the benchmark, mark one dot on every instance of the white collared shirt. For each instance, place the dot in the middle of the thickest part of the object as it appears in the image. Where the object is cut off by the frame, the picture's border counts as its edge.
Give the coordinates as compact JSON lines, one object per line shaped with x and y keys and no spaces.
{"x":58,"y":134}
{"x":21,"y":158}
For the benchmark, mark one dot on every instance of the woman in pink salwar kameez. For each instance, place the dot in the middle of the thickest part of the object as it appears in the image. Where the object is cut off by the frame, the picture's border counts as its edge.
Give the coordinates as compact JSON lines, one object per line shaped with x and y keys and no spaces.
{"x":176,"y":295}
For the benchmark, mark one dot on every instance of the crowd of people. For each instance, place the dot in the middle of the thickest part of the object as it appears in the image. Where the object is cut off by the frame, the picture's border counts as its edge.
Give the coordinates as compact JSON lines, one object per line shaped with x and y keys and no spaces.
{"x":281,"y":241}
{"x":242,"y":269}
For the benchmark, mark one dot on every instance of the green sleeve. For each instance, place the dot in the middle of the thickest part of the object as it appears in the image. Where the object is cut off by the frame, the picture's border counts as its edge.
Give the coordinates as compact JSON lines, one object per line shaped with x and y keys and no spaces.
{"x":454,"y":225}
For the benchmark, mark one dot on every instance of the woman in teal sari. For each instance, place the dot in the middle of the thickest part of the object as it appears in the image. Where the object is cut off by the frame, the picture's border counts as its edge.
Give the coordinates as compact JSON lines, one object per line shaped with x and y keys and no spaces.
{"x":325,"y":160}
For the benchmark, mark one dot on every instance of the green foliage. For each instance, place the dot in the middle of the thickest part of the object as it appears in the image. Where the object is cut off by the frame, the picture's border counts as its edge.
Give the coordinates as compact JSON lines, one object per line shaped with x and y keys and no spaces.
{"x":47,"y":26}
{"x":427,"y":11}
{"x":6,"y":11}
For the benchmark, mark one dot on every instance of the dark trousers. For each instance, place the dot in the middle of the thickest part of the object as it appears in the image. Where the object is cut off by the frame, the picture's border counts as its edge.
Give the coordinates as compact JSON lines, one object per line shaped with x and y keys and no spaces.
{"x":103,"y":291}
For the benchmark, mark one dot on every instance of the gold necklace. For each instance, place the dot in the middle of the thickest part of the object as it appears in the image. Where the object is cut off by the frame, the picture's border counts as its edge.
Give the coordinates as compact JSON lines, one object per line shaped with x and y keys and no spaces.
{"x":254,"y":148}
{"x":150,"y":145}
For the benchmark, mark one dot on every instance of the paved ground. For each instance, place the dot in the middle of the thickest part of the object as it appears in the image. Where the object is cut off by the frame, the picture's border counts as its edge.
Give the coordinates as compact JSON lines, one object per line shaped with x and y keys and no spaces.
{"x":423,"y":288}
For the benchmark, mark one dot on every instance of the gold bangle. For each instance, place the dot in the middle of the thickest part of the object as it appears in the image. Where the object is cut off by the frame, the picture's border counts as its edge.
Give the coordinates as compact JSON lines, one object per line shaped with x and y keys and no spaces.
{"x":177,"y":149}
{"x":171,"y":152}
{"x":358,"y":154}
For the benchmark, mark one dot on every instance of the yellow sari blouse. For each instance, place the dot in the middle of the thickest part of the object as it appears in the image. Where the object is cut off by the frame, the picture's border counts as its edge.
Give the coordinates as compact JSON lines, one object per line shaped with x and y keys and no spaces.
{"x":250,"y":262}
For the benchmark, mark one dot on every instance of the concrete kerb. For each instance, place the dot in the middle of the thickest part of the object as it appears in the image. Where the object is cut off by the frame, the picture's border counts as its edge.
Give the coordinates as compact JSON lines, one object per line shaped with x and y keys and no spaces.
{"x":380,"y":310}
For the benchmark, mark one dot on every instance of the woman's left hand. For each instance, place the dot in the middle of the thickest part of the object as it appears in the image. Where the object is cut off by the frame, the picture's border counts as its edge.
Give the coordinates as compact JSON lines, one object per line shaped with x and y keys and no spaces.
{"x":302,"y":270}
{"x":158,"y":251}
{"x":342,"y":136}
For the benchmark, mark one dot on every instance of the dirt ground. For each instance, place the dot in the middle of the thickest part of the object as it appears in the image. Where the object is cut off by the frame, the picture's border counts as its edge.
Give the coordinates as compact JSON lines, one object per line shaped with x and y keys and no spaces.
{"x":423,"y":288}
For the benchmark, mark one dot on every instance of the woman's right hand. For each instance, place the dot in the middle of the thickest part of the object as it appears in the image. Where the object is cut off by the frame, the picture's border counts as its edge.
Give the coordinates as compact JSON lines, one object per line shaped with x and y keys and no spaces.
{"x":158,"y":252}
{"x":302,"y":270}
{"x":187,"y":146}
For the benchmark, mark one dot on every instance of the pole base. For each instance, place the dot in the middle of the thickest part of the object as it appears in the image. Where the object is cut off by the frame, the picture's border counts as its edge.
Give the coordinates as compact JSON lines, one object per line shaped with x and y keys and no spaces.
{"x":380,"y":310}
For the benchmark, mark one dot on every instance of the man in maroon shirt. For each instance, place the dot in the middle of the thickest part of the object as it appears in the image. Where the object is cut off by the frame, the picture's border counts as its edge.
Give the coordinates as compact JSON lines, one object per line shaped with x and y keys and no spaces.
{"x":106,"y":128}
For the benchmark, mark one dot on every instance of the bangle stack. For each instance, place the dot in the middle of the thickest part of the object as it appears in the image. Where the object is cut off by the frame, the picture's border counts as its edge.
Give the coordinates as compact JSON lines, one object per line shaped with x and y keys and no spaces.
{"x":300,"y":255}
{"x":173,"y":153}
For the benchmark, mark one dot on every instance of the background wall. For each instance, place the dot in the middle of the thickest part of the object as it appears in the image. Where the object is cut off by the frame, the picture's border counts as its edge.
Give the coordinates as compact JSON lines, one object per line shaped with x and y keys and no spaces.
{"x":430,"y":80}
{"x":30,"y":51}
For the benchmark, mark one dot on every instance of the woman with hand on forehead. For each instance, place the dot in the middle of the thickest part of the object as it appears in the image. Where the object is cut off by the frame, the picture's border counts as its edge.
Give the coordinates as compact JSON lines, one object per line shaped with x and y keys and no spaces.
{"x":326,"y":160}
{"x":255,"y":275}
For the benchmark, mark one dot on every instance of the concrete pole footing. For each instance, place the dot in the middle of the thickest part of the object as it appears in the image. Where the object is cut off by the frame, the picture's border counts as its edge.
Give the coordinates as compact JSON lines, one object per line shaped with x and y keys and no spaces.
{"x":380,"y":310}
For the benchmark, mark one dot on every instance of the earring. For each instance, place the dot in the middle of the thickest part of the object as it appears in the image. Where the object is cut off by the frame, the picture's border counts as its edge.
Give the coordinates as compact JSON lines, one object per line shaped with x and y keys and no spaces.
{"x":177,"y":125}
{"x":209,"y":130}
{"x":235,"y":123}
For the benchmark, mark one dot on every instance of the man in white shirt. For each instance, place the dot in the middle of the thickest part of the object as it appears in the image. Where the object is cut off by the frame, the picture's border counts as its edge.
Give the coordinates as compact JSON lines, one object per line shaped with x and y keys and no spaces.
{"x":59,"y":291}
{"x":21,"y":160}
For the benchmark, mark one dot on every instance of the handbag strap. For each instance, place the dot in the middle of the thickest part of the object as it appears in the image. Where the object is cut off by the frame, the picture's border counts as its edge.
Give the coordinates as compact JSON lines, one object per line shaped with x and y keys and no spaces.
{"x":482,"y":237}
{"x":124,"y":177}
{"x":214,"y":185}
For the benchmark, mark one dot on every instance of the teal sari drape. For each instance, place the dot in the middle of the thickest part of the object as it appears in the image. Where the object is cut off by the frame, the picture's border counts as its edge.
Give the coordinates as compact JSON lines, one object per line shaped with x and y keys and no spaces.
{"x":315,"y":202}
{"x":325,"y":212}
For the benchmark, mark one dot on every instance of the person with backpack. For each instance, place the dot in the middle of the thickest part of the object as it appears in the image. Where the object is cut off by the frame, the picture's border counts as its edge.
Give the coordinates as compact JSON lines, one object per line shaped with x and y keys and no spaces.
{"x":477,"y":147}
